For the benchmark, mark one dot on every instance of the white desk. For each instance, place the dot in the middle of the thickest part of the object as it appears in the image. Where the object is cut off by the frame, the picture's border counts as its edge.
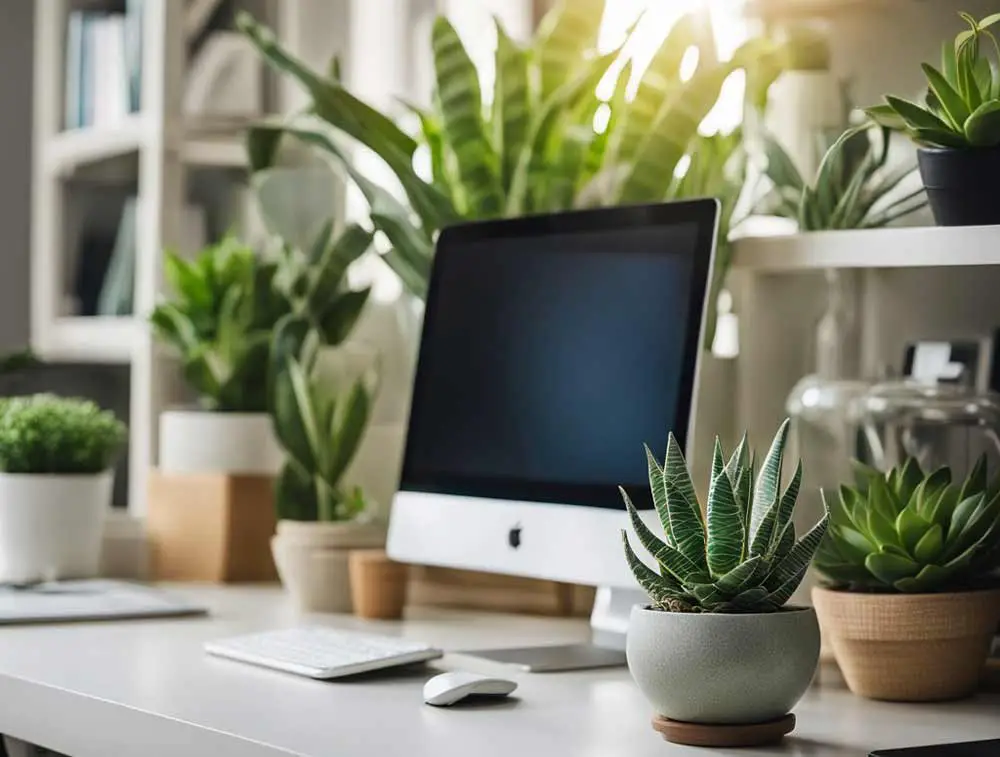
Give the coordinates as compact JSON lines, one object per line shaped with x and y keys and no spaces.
{"x":146,"y":688}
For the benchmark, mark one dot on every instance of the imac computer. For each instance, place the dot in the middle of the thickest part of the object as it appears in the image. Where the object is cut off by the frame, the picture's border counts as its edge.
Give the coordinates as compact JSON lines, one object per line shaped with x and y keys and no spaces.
{"x":553,"y":348}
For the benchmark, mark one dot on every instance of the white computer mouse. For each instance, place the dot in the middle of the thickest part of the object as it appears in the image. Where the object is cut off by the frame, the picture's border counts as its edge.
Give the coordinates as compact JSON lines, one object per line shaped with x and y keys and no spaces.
{"x":448,"y":688}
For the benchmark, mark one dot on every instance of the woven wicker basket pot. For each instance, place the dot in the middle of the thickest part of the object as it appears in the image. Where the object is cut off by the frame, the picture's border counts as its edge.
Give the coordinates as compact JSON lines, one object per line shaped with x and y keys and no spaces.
{"x":909,"y":647}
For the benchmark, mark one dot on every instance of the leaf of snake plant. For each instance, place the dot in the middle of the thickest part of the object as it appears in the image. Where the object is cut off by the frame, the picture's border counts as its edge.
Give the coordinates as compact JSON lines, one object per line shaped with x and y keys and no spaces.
{"x":669,"y":559}
{"x":783,"y":593}
{"x":765,"y":498}
{"x":799,"y":556}
{"x":740,"y":577}
{"x":462,"y":117}
{"x":564,"y":35}
{"x":511,"y":108}
{"x":657,"y":587}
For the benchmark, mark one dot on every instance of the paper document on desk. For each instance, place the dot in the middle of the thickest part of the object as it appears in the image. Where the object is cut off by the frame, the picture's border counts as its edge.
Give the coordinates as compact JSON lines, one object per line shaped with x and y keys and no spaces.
{"x":68,"y":601}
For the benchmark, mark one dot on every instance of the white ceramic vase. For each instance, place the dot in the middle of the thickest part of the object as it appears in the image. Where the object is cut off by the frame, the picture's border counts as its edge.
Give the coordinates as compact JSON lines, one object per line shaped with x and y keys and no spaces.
{"x":51,"y":526}
{"x":312,"y":560}
{"x":198,"y":441}
{"x":719,"y":668}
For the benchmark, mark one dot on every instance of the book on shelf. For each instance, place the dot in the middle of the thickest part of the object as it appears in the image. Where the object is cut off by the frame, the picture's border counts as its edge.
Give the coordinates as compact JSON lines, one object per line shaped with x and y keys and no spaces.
{"x":103,"y":66}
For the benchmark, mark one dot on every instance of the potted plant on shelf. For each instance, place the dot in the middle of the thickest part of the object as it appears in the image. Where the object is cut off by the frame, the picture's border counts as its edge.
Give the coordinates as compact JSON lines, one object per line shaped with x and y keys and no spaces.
{"x":56,"y":459}
{"x":957,"y":127}
{"x":320,"y":427}
{"x":912,"y":603}
{"x":716,"y":652}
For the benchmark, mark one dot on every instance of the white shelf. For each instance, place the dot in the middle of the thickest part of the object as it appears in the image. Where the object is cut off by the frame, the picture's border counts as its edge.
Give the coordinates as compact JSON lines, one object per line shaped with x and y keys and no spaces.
{"x":911,"y":247}
{"x":70,"y":150}
{"x":90,"y":339}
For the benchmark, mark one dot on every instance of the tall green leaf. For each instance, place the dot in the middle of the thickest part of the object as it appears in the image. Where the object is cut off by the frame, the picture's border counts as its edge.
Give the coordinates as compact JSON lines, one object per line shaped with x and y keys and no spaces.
{"x":659,"y":492}
{"x":461,"y":108}
{"x":670,"y":560}
{"x":686,"y":524}
{"x":511,"y":114}
{"x":768,"y":482}
{"x":565,"y":35}
{"x":726,"y":536}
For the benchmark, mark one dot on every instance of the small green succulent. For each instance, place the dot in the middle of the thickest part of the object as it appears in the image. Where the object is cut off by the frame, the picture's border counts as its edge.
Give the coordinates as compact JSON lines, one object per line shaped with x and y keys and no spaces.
{"x":742,"y":557}
{"x":43,"y":433}
{"x":962,"y":106}
{"x":905,"y":531}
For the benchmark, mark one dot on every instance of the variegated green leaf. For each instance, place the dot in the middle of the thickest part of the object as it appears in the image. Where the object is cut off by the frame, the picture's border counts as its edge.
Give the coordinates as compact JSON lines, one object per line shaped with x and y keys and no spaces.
{"x":783,"y":593}
{"x":347,"y":427}
{"x":658,"y":489}
{"x":669,"y":559}
{"x":564,"y":36}
{"x":976,"y":482}
{"x":786,"y":506}
{"x":740,"y":577}
{"x":461,"y":109}
{"x":765,"y":498}
{"x":686,"y":525}
{"x":738,"y":460}
{"x":660,"y":81}
{"x":726,"y":537}
{"x":511,"y":102}
{"x":668,"y":139}
{"x":753,"y":599}
{"x":799,"y":556}
{"x":655,"y":586}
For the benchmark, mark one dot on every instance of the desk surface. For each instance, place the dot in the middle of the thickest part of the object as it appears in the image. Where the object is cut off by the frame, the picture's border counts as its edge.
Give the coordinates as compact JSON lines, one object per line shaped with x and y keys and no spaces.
{"x":146,"y":687}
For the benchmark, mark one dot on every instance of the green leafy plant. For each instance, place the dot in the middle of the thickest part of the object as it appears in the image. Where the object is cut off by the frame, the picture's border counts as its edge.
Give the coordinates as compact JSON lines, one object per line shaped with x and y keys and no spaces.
{"x":320,"y":430}
{"x":907,"y":531}
{"x":236,"y":317}
{"x":962,"y":106}
{"x":851,"y":190}
{"x":741,"y":555}
{"x":219,"y":320}
{"x":530,"y":145}
{"x":43,"y":433}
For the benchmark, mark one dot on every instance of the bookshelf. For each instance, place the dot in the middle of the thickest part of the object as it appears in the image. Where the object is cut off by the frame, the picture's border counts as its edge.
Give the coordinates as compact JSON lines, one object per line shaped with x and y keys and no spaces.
{"x":149,"y":151}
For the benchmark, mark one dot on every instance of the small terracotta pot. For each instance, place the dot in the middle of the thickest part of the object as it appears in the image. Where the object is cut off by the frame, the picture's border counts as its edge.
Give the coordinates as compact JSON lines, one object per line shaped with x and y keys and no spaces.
{"x":909,"y":647}
{"x":378,"y":585}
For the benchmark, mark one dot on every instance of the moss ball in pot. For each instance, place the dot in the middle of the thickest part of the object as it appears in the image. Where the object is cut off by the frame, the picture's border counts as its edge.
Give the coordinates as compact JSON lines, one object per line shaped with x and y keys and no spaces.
{"x":716,"y":648}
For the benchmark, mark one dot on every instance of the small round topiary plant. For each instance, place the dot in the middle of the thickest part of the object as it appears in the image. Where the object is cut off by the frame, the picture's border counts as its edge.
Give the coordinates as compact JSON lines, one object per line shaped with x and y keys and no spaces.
{"x":43,"y":433}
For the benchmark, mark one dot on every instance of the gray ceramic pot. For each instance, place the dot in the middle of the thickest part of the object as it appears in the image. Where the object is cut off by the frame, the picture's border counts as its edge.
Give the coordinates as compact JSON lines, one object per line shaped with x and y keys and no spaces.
{"x":723,"y":669}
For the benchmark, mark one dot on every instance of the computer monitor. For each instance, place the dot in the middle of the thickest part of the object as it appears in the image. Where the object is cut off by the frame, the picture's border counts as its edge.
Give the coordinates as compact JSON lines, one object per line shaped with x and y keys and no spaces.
{"x":553,"y":348}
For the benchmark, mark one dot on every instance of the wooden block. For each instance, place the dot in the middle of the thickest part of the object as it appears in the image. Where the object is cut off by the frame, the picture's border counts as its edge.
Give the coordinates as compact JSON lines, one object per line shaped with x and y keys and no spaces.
{"x":211,"y":527}
{"x":448,"y":587}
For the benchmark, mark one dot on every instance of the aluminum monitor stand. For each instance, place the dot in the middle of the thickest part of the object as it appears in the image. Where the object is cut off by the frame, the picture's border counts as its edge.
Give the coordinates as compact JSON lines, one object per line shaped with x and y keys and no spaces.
{"x":608,"y":625}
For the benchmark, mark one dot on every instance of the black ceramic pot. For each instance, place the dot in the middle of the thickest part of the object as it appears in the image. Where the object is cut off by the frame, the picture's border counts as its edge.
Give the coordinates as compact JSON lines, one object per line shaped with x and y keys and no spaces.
{"x":963,"y":186}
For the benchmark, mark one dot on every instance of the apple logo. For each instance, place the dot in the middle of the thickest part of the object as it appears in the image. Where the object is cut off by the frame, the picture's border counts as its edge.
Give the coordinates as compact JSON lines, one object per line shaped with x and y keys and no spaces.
{"x":514,"y":536}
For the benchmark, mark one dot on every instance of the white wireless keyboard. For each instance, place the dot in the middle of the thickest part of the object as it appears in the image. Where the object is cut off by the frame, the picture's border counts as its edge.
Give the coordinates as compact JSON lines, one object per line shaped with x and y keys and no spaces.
{"x":322,"y":652}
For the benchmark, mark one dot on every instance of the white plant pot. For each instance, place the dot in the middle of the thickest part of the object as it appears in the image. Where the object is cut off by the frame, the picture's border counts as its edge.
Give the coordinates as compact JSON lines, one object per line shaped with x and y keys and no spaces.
{"x":52,"y":526}
{"x":719,"y":669}
{"x":198,"y":441}
{"x":312,"y":561}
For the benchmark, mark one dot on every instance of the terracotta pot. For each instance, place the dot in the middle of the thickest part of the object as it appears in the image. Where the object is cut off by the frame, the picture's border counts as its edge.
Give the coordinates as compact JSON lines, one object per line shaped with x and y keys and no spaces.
{"x":312,"y":561}
{"x":909,"y":647}
{"x":378,"y":585}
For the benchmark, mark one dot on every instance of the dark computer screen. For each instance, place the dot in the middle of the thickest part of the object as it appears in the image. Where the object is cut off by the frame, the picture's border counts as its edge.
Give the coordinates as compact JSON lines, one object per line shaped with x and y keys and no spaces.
{"x":548,"y":361}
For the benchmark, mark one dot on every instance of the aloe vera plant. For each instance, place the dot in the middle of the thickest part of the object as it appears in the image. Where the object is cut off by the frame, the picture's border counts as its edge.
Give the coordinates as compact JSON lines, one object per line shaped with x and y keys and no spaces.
{"x":907,"y":531}
{"x":962,"y":106}
{"x":535,"y":147}
{"x":851,"y":190}
{"x":741,"y":554}
{"x":320,"y":429}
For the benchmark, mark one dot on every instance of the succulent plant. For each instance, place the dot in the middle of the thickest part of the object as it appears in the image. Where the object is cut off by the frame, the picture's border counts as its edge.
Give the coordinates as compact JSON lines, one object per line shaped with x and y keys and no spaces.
{"x":742,"y":554}
{"x":907,"y":531}
{"x":851,"y":190}
{"x":320,"y":429}
{"x":43,"y":433}
{"x":962,"y":106}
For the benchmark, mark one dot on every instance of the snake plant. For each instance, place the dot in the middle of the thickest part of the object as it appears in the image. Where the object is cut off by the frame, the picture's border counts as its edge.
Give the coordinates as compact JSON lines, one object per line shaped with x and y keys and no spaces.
{"x":851,"y":190}
{"x":962,"y":106}
{"x":907,"y":531}
{"x":741,"y":555}
{"x":320,"y":429}
{"x":530,"y":145}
